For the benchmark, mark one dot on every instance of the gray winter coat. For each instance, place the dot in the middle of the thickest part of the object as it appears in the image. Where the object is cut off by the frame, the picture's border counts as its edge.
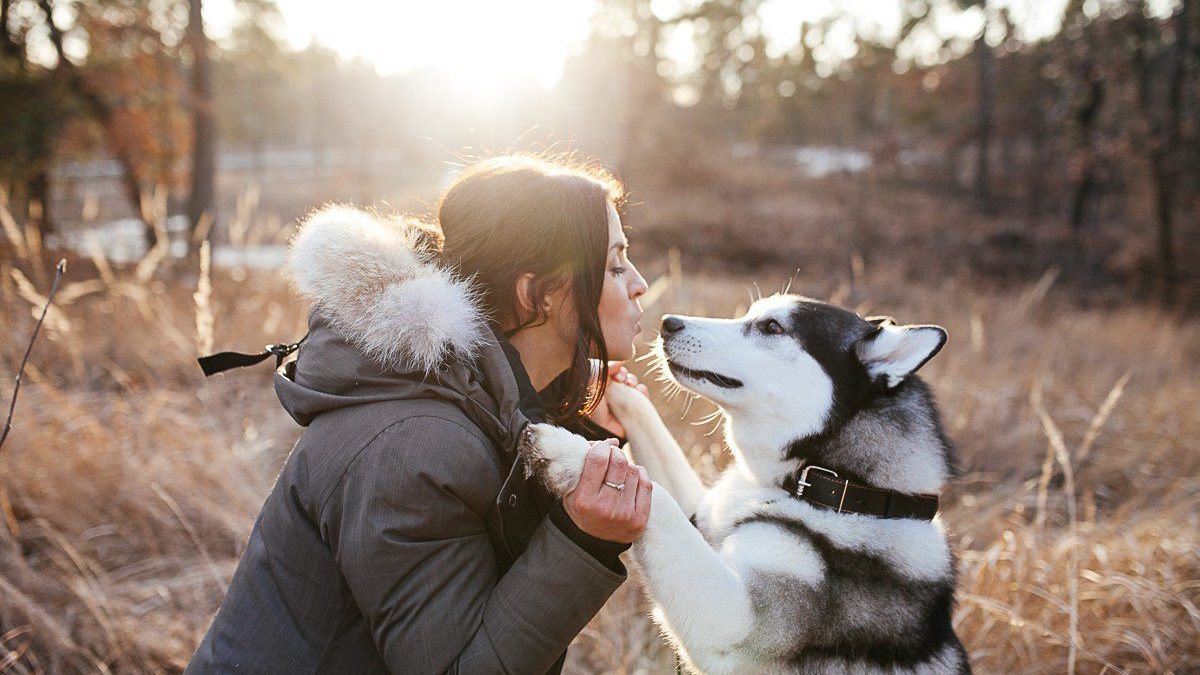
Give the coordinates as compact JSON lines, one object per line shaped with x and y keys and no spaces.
{"x":401,"y":534}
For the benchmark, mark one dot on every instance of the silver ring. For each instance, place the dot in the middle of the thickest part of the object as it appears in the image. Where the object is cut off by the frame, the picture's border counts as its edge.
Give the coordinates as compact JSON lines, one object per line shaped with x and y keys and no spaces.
{"x":616,"y":486}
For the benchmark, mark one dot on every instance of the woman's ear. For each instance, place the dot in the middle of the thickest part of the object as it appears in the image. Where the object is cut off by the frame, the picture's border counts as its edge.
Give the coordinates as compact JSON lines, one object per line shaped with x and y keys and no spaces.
{"x":525,"y":294}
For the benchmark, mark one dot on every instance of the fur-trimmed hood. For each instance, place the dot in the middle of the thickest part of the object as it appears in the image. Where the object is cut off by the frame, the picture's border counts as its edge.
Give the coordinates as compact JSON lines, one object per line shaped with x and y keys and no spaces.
{"x":390,"y":322}
{"x":373,"y":283}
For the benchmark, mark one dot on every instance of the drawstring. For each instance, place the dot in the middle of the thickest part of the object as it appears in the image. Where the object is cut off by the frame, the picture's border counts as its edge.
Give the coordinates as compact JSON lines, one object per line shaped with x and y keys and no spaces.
{"x":220,"y":362}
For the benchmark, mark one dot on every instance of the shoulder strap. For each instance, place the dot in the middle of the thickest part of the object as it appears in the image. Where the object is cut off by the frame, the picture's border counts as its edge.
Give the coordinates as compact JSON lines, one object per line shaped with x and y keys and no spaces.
{"x":222,"y":361}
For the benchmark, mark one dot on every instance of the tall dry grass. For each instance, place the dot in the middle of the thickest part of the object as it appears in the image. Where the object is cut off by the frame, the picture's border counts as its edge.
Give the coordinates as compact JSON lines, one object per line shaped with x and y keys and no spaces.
{"x":129,"y":484}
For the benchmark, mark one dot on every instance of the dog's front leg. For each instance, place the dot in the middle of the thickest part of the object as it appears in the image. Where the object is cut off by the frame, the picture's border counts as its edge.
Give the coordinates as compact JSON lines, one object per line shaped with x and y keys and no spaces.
{"x":554,"y":455}
{"x":654,"y":448}
{"x":704,"y":604}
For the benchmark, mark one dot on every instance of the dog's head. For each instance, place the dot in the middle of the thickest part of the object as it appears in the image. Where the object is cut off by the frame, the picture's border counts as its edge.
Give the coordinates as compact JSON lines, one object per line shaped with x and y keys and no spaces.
{"x":799,"y":362}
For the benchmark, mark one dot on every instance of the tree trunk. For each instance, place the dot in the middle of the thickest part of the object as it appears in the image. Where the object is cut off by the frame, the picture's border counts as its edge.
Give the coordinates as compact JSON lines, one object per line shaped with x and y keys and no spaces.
{"x":1163,"y":136}
{"x":1086,"y":118}
{"x":985,"y":62}
{"x":1036,"y":175}
{"x":104,"y":114}
{"x":204,"y":146}
{"x":9,"y":47}
{"x":39,"y":193}
{"x":640,"y":88}
{"x":37,"y":186}
{"x":1170,"y":151}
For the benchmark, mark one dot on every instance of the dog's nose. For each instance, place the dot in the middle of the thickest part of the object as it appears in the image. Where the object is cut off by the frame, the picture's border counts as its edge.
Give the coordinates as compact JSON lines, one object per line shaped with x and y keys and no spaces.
{"x":671,"y":324}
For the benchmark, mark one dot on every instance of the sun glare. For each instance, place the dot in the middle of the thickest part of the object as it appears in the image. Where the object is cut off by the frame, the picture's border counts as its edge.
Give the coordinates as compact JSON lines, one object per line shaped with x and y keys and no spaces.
{"x":481,"y":44}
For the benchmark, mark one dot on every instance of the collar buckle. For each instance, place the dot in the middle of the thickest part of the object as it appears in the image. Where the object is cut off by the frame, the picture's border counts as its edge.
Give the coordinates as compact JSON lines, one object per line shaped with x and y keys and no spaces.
{"x":803,"y":482}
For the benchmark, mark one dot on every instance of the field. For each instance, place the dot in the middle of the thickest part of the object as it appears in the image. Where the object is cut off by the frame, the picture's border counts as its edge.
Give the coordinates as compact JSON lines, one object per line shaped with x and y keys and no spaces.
{"x":129,"y":483}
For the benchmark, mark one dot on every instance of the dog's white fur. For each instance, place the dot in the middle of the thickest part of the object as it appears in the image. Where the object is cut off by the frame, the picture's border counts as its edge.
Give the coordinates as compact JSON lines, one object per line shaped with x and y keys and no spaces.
{"x":709,"y":589}
{"x":371,"y":281}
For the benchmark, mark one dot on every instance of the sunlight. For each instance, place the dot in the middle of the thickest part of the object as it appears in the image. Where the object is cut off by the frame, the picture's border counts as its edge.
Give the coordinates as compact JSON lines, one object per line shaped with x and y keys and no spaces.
{"x":482,"y":44}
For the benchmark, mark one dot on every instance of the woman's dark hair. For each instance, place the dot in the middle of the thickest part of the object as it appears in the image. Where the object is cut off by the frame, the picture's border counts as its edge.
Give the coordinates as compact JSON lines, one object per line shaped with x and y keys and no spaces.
{"x":508,"y":215}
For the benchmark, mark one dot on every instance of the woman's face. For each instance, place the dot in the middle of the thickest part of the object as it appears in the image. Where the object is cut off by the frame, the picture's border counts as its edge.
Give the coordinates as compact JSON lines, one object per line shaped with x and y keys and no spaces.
{"x":620,"y":312}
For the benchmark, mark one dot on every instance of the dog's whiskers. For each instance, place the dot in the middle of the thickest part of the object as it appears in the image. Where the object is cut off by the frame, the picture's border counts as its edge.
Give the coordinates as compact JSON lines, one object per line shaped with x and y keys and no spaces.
{"x":718,"y":419}
{"x":714,"y":416}
{"x":645,"y":357}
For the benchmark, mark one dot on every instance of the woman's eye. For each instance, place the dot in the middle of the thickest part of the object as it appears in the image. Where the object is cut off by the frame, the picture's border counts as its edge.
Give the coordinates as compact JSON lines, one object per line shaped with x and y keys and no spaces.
{"x":617,"y":271}
{"x":772,"y":327}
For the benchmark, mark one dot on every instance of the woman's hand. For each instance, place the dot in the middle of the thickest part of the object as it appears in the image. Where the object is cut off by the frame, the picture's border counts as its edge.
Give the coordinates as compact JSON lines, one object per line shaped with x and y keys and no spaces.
{"x":606,"y":512}
{"x":606,"y":414}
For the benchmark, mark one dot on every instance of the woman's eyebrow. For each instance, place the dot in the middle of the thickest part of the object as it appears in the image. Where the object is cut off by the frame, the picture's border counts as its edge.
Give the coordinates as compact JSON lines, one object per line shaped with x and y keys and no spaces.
{"x":620,"y":245}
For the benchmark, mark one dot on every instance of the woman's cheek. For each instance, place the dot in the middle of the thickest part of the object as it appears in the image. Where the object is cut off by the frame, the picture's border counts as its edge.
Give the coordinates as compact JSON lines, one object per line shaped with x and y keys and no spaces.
{"x":610,"y":304}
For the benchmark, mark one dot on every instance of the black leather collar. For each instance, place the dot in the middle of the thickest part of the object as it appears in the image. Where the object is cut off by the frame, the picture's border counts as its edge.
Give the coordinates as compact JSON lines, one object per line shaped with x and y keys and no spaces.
{"x":821,"y":487}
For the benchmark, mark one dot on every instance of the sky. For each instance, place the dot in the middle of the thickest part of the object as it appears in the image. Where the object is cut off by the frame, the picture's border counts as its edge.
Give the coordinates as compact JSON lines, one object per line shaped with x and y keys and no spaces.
{"x":479,"y":40}
{"x":485,"y":41}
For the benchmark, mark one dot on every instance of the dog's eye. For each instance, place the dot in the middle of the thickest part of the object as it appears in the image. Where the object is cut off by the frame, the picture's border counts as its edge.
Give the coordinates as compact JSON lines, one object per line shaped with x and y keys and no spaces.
{"x":772,"y":327}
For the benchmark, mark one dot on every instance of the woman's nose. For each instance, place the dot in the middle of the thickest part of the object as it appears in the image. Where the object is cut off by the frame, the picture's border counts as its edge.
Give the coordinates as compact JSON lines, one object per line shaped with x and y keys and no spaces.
{"x":639,"y":286}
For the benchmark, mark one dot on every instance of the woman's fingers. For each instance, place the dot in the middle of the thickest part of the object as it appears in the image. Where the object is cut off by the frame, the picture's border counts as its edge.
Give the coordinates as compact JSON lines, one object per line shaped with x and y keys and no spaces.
{"x":611,"y":514}
{"x":595,"y":466}
{"x":619,"y":373}
{"x":618,"y":470}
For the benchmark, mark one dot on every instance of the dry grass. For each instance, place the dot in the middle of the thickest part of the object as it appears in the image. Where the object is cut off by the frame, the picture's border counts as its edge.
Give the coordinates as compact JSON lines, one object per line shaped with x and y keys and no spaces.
{"x":129,"y":484}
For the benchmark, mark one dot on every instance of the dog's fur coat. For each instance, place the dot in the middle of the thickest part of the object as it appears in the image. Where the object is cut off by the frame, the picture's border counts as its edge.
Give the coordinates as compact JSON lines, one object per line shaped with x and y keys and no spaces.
{"x":764,"y":582}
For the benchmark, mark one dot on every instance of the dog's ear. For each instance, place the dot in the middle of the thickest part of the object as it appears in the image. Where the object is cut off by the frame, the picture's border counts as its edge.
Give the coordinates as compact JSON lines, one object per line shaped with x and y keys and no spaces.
{"x":880,"y":320}
{"x":895,"y":352}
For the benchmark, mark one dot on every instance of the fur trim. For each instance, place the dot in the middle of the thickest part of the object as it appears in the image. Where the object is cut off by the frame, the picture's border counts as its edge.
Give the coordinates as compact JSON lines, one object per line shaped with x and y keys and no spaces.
{"x":370,"y":280}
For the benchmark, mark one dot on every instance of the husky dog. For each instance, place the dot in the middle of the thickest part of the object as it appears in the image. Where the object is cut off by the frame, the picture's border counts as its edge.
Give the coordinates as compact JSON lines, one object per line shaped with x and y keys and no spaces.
{"x":818,"y":550}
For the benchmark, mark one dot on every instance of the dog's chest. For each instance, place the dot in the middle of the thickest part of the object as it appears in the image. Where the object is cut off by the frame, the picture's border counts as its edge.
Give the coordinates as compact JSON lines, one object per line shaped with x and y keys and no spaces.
{"x":731,"y":500}
{"x":914,"y":549}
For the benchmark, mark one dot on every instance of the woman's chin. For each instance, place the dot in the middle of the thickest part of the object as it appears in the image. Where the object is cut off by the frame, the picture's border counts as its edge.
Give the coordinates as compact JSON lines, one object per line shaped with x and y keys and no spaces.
{"x":622,"y":352}
{"x":622,"y":347}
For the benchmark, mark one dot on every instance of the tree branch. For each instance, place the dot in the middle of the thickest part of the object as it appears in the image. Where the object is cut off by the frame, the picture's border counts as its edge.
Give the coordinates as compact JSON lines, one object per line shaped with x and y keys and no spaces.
{"x":59,"y":270}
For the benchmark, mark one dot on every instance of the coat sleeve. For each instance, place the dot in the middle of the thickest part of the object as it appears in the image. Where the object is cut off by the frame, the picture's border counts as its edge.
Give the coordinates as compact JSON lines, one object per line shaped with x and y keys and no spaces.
{"x":408,"y":532}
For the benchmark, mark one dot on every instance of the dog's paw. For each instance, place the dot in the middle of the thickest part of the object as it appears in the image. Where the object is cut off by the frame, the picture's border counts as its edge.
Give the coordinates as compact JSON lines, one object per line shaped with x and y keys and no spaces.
{"x":554,"y":455}
{"x":629,"y":404}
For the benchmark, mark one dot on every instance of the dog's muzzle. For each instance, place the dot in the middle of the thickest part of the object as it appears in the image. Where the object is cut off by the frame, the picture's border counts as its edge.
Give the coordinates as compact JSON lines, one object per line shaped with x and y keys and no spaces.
{"x":723,"y":381}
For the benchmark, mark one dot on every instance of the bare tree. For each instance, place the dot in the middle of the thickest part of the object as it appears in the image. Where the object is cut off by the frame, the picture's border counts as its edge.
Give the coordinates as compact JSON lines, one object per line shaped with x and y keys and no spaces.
{"x":106,"y":116}
{"x":202,"y":201}
{"x":985,"y":62}
{"x":1087,"y":117}
{"x":1162,"y":129}
{"x":38,"y":136}
{"x":9,"y":47}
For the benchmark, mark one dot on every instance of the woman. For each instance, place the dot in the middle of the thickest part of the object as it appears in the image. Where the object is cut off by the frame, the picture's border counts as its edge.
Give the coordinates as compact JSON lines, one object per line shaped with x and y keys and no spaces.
{"x":402,"y":534}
